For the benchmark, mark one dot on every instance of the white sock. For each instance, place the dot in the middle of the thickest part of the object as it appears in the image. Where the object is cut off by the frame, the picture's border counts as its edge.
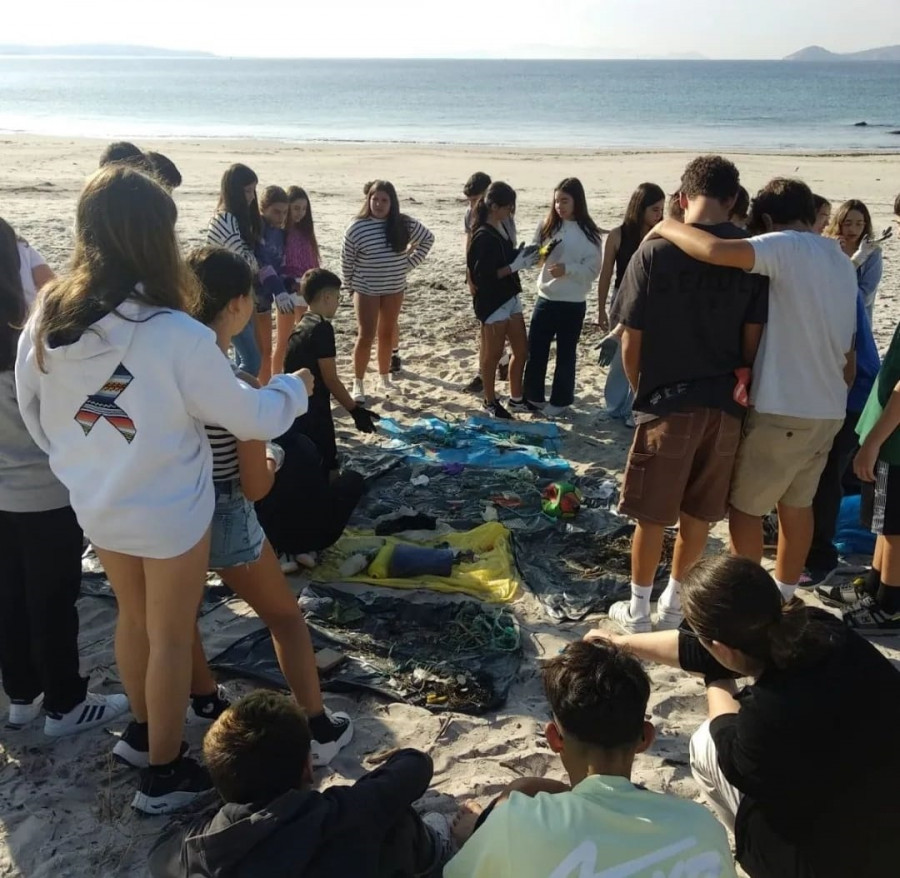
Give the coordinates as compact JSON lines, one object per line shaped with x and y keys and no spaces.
{"x":787,"y":591}
{"x":640,"y":600}
{"x":671,"y":597}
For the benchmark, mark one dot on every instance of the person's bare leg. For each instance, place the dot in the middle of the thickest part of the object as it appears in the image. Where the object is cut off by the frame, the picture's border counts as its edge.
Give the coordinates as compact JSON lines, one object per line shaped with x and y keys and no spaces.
{"x":795,"y":535}
{"x":493,"y":337}
{"x":689,"y":545}
{"x":284,"y":326}
{"x":878,"y":557}
{"x":646,"y":552}
{"x":126,"y":576}
{"x":262,"y":329}
{"x":202,"y":680}
{"x":388,"y":323}
{"x":174,"y":588}
{"x":263,"y":586}
{"x":746,"y":535}
{"x":518,"y":343}
{"x":366,"y":326}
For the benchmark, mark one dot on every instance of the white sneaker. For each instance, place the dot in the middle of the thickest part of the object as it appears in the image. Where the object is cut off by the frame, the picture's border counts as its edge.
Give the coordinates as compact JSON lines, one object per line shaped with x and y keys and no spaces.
{"x":322,"y":754}
{"x":204,"y":711}
{"x":555,"y":411}
{"x":21,"y":713}
{"x":95,"y":710}
{"x":288,"y":564}
{"x":359,"y":391}
{"x":385,"y":386}
{"x":620,"y":613}
{"x":667,"y":618}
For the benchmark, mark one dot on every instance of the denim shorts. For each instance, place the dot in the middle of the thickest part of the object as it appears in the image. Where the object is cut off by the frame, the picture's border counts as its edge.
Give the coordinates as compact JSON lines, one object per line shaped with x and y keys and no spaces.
{"x":507,"y":310}
{"x":236,"y":537}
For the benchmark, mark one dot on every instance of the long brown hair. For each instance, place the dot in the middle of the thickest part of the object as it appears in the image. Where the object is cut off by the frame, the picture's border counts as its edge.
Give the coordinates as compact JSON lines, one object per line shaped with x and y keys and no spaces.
{"x":833,"y":229}
{"x":306,"y":226}
{"x":646,"y":195}
{"x":735,"y":602}
{"x":12,"y":297}
{"x":124,"y":236}
{"x":396,"y":226}
{"x":232,"y":200}
{"x":498,"y":194}
{"x":573,"y":188}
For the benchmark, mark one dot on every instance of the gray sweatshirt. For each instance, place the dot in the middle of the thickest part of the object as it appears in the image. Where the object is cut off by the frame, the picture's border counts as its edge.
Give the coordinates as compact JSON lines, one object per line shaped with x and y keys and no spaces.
{"x":26,"y":482}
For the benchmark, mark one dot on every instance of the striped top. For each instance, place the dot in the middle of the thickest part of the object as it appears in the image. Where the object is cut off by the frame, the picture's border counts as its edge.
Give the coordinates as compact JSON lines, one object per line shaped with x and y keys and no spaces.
{"x":224,"y":231}
{"x":370,"y":265}
{"x":225,"y":456}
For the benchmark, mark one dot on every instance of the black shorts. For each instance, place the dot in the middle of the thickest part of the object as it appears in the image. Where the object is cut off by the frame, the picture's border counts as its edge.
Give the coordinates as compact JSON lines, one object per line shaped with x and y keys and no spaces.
{"x":879,"y":505}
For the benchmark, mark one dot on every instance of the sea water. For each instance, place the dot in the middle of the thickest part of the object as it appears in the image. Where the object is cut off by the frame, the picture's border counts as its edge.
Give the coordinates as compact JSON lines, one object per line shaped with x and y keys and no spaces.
{"x":762,"y":105}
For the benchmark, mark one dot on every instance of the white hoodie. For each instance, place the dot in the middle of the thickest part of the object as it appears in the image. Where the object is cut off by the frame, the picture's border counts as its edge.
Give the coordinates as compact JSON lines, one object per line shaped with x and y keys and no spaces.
{"x":579,"y":254}
{"x":120,"y":412}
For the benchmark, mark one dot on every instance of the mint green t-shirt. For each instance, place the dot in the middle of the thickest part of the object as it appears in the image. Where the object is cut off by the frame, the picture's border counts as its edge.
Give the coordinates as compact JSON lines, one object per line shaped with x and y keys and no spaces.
{"x":887,"y":379}
{"x":604,"y":828}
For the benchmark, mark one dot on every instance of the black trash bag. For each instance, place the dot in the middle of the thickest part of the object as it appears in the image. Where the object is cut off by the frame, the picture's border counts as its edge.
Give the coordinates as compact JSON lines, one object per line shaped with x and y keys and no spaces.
{"x":575,"y":573}
{"x":441,"y":655}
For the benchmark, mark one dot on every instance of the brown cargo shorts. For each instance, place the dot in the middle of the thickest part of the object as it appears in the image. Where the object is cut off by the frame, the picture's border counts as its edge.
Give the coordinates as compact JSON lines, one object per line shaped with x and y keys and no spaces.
{"x":681,"y":462}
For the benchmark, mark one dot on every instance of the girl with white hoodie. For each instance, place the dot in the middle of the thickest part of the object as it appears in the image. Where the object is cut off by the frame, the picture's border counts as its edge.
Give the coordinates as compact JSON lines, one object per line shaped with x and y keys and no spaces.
{"x":567,"y":276}
{"x":115,"y":382}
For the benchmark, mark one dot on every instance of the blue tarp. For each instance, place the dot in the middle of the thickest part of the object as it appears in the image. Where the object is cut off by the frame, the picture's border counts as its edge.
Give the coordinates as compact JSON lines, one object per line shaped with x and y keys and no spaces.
{"x":481,"y":442}
{"x":851,"y":537}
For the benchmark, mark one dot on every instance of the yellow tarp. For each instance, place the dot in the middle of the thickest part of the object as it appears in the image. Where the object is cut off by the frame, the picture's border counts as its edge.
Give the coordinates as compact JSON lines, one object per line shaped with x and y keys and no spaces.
{"x":491,"y":577}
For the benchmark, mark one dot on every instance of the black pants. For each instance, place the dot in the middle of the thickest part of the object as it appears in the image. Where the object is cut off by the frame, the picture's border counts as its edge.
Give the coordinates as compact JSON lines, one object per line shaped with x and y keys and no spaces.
{"x":827,"y":502}
{"x":305,"y":511}
{"x":40,"y":577}
{"x":549,"y":320}
{"x":408,"y":850}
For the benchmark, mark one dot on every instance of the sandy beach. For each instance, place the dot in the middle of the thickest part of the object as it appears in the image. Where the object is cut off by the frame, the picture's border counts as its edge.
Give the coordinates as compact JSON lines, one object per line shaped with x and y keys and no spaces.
{"x":64,"y":805}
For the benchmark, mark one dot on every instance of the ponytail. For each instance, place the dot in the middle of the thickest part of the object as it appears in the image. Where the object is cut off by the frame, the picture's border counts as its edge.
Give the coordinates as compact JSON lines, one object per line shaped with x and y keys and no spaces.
{"x":735,"y":602}
{"x":498,"y":194}
{"x":479,"y":214}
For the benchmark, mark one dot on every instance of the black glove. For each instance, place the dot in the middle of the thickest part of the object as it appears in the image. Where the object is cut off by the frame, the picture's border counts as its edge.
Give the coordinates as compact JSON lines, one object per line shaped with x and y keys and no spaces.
{"x":364,"y":419}
{"x":607,"y":350}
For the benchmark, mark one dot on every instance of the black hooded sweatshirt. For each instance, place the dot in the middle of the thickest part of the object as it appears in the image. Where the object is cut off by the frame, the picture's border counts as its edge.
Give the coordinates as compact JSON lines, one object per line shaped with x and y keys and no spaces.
{"x":338,"y":833}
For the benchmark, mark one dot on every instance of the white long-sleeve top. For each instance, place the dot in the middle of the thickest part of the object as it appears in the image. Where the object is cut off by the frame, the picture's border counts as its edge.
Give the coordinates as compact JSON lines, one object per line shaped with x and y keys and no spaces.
{"x":369,"y":264}
{"x":121,"y":414}
{"x":581,"y":257}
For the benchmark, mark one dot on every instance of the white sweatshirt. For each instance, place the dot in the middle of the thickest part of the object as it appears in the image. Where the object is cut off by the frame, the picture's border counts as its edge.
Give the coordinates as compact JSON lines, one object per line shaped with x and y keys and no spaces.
{"x":121,"y":411}
{"x":581,"y":257}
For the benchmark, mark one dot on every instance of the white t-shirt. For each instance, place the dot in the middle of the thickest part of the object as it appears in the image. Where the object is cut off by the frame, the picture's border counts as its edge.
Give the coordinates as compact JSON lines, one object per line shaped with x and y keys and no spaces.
{"x":29,"y":259}
{"x":799,"y":370}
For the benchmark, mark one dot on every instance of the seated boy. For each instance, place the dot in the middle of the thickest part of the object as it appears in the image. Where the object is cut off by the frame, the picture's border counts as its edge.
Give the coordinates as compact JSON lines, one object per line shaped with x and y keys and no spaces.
{"x":604,"y":824}
{"x":273,"y":823}
{"x":312,"y":346}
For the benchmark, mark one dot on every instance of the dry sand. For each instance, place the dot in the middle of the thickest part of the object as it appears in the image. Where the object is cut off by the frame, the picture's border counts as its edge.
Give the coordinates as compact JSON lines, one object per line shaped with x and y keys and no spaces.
{"x":64,"y":807}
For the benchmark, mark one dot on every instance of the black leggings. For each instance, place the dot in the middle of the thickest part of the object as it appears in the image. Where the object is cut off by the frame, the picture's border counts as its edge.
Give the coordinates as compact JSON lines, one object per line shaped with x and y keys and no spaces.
{"x":40,"y":577}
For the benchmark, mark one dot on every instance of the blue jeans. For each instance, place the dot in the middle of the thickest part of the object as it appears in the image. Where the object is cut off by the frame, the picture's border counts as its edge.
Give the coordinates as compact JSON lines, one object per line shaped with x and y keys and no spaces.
{"x":618,"y":395}
{"x":246,"y":351}
{"x":549,"y":320}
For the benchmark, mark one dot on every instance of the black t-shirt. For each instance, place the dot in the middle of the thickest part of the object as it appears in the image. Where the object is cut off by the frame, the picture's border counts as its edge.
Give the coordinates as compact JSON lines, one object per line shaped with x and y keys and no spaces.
{"x":311,"y":341}
{"x":691,"y":316}
{"x":814,"y":752}
{"x":489,"y":251}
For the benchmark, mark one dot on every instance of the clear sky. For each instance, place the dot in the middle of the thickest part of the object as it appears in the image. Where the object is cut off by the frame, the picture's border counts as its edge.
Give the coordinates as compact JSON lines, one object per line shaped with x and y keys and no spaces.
{"x":454,"y":28}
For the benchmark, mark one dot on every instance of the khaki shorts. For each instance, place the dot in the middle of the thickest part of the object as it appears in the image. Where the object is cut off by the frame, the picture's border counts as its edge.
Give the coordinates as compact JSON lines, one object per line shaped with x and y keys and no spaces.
{"x":780,"y":461}
{"x":681,"y":462}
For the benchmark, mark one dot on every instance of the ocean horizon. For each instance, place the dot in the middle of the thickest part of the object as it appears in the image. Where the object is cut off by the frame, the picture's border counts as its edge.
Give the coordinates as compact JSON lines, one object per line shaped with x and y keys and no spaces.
{"x":603,"y":105}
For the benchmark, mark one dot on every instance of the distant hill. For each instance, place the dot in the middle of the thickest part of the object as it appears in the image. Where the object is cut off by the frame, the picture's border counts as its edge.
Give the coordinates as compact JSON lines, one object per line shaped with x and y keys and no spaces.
{"x":101,"y":50}
{"x":817,"y":53}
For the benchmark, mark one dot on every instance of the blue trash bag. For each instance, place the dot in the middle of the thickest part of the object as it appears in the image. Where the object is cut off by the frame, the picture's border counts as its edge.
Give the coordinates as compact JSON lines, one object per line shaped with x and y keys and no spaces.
{"x":851,"y":537}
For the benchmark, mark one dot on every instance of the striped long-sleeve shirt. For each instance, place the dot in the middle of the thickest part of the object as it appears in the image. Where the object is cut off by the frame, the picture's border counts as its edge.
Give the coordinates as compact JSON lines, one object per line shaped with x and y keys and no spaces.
{"x":369,"y":264}
{"x":224,"y":231}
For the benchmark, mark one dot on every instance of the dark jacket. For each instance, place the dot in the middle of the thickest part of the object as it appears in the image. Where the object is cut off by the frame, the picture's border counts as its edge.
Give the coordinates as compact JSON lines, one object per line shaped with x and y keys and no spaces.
{"x":489,"y":251}
{"x":338,"y":833}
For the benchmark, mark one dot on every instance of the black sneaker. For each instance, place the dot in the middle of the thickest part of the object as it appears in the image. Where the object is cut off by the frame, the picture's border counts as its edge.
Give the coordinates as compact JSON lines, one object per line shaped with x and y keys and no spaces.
{"x":325,"y":745}
{"x":523,"y":406}
{"x":770,"y":530}
{"x":503,"y":370}
{"x":496,"y":410}
{"x":168,"y":789}
{"x":476,"y":385}
{"x":396,"y":363}
{"x":133,"y":748}
{"x":867,"y":617}
{"x":205,"y":709}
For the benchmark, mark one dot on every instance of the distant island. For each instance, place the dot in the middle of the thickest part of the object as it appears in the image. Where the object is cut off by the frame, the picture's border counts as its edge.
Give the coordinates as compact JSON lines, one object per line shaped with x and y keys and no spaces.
{"x":817,"y":53}
{"x":103,"y":51}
